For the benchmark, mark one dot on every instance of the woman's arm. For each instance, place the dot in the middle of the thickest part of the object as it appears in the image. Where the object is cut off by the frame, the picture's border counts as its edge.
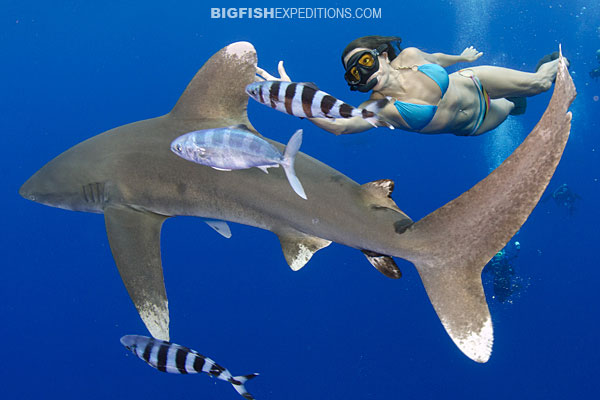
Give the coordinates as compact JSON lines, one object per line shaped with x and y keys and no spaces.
{"x":342,"y":126}
{"x":469,"y":54}
{"x":337,"y":126}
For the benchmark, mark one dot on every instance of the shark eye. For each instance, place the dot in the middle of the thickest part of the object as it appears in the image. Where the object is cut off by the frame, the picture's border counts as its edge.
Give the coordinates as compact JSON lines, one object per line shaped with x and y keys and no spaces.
{"x":178,"y":147}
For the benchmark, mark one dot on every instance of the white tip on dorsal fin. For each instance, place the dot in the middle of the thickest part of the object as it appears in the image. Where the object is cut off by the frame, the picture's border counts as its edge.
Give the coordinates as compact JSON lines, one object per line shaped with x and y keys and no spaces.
{"x":218,"y":89}
{"x":221,"y":227}
{"x":298,"y":248}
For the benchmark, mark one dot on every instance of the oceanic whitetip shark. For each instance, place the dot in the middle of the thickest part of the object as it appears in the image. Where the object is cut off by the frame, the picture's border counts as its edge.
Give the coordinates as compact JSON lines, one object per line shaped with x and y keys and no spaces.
{"x":130,"y":174}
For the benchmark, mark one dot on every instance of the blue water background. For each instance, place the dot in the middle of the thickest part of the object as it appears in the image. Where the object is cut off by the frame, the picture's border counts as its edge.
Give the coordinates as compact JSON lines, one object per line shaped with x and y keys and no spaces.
{"x":337,"y":329}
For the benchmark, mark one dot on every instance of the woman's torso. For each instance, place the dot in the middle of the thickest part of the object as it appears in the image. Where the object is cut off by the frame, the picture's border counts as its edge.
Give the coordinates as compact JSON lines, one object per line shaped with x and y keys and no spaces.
{"x":420,"y":92}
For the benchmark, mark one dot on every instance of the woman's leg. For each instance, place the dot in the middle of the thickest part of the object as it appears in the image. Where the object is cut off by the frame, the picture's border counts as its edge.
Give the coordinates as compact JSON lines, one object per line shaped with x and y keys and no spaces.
{"x":497,"y":113}
{"x":504,"y":82}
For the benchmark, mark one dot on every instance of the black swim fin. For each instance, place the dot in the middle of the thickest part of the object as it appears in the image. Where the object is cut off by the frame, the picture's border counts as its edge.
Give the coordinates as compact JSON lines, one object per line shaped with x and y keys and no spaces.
{"x":520,"y":105}
{"x":547,"y":58}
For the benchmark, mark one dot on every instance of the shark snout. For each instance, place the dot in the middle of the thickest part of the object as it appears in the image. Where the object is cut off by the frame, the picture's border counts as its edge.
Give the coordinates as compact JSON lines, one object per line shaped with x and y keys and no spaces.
{"x":26,"y":191}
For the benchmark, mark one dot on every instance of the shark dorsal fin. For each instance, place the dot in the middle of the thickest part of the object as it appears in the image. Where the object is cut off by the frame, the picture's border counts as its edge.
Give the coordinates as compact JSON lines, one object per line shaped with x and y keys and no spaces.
{"x":298,"y":248}
{"x":218,"y":88}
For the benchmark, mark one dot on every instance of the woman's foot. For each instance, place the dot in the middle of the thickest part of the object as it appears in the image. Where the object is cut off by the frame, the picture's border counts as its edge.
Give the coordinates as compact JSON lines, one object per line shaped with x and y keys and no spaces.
{"x":547,"y":58}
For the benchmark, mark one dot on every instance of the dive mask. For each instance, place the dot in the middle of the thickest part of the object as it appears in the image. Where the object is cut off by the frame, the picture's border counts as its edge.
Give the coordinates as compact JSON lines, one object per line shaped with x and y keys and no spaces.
{"x":361,"y":66}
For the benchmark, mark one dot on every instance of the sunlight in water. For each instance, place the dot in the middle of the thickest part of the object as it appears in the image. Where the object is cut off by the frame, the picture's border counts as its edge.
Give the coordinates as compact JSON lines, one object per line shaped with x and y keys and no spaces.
{"x":500,"y":143}
{"x":473,"y":18}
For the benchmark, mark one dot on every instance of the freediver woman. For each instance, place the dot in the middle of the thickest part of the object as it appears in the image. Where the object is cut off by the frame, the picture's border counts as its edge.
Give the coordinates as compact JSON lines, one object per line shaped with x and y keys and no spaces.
{"x":423,"y":97}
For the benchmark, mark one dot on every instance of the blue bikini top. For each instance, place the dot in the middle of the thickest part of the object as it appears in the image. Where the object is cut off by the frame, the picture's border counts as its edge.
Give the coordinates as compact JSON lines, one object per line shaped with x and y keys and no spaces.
{"x":417,"y":116}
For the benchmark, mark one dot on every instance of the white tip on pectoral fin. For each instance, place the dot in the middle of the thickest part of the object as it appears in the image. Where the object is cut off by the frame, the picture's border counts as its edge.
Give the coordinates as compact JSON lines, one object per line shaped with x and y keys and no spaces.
{"x":134,"y":238}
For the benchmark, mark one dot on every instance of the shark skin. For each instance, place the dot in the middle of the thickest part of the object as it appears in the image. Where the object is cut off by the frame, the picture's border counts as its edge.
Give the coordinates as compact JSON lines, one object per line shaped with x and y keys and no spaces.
{"x":130,"y":174}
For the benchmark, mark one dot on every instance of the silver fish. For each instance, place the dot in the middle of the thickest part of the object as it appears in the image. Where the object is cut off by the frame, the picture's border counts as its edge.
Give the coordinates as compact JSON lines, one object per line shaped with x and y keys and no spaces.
{"x":236,"y":147}
{"x":305,"y":100}
{"x":175,"y":359}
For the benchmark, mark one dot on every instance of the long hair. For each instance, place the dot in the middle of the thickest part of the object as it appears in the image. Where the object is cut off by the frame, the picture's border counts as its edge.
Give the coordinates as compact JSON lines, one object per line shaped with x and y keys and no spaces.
{"x":373,"y":42}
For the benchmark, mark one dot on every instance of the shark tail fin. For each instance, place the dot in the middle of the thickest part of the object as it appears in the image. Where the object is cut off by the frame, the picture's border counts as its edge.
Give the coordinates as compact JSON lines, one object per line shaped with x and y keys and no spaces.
{"x":450,"y":246}
{"x":289,"y":157}
{"x":238,"y":385}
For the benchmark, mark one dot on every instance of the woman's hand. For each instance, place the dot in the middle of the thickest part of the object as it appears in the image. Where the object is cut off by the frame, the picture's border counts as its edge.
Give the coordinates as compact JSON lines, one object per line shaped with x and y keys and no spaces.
{"x":265,"y":76}
{"x":470,"y":54}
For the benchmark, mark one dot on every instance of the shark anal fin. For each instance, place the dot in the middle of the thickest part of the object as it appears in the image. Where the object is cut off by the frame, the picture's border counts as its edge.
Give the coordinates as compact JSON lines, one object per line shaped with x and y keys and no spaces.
{"x":298,"y":248}
{"x":221,"y":227}
{"x":384,"y":264}
{"x":134,"y":238}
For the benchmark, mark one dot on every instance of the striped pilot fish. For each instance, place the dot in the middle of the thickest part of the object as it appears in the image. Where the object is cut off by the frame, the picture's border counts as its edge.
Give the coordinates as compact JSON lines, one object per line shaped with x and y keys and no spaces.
{"x":305,"y":100}
{"x":176,"y":359}
{"x":236,"y":147}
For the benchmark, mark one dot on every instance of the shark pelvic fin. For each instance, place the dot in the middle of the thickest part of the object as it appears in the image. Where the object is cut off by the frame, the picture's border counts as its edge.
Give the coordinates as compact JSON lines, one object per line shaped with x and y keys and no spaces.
{"x":298,"y":248}
{"x":134,"y":238}
{"x":451,"y":246}
{"x":217,"y":91}
{"x":384,"y":264}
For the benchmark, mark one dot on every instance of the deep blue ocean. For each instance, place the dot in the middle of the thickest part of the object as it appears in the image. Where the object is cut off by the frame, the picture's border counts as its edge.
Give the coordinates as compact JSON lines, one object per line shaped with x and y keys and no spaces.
{"x":337,"y":329}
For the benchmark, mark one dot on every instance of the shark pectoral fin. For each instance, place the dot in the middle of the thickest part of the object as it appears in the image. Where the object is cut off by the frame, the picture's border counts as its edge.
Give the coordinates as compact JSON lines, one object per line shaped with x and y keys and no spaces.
{"x":221,"y":227}
{"x":384,"y":264}
{"x":298,"y":248}
{"x":451,"y":245}
{"x":134,"y":238}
